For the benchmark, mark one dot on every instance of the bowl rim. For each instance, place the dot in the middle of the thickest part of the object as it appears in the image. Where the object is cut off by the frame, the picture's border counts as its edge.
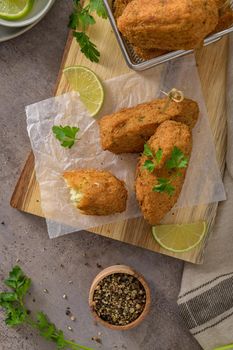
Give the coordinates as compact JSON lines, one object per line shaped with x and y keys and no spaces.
{"x":127,"y":270}
{"x":26,"y":22}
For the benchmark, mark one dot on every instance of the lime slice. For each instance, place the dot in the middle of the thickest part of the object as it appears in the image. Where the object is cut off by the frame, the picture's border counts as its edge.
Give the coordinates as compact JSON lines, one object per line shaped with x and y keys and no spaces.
{"x":15,"y":9}
{"x":179,"y":238}
{"x":88,"y":85}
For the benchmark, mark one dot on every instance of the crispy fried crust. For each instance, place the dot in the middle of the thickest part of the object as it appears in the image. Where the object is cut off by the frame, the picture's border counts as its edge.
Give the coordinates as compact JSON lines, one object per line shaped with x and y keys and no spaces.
{"x":148,"y":54}
{"x":221,"y":3}
{"x":168,"y":25}
{"x":156,"y":205}
{"x":225,"y":20}
{"x":102,"y":193}
{"x":127,"y":130}
{"x":119,"y":6}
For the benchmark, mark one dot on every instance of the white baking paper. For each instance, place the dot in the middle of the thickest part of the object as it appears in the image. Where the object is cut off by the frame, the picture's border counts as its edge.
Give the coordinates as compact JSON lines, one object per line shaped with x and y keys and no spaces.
{"x":51,"y":160}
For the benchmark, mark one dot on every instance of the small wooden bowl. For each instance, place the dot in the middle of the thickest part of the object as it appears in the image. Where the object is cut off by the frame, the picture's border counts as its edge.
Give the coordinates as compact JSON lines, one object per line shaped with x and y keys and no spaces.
{"x":120,"y":269}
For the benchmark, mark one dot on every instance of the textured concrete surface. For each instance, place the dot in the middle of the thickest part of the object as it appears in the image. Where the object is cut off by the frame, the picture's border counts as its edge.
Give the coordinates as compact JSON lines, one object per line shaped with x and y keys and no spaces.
{"x":28,"y":70}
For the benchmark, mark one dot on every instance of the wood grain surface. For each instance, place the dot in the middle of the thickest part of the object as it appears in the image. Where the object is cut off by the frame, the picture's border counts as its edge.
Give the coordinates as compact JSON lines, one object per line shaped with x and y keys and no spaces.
{"x":212,"y":66}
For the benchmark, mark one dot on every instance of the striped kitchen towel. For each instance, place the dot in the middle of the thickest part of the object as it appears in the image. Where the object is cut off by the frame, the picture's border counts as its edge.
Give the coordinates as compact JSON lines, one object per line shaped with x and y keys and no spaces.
{"x":206,"y":296}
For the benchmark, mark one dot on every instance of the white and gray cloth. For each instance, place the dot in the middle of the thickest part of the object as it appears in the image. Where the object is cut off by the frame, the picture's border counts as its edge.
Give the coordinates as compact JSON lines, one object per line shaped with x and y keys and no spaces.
{"x":206,"y":297}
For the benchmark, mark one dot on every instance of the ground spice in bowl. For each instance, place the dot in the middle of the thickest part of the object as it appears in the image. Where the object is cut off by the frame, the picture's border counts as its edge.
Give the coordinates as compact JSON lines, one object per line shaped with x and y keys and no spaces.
{"x":119,"y":299}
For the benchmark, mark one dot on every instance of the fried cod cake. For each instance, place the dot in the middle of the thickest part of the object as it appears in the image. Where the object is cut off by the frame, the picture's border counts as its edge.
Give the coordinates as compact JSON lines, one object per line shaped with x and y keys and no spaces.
{"x":148,"y":54}
{"x":118,"y":7}
{"x":96,"y":192}
{"x":127,"y":130}
{"x":155,"y":205}
{"x":225,"y":15}
{"x":225,"y":20}
{"x":222,"y":3}
{"x":168,"y":25}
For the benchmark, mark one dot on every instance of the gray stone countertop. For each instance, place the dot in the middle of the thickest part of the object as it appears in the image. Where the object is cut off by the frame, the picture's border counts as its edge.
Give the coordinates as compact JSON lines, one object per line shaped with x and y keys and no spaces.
{"x":28,"y":69}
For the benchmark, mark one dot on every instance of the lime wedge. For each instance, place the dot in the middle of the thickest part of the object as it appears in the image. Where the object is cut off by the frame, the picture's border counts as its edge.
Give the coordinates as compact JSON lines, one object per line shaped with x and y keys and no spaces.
{"x":179,"y":238}
{"x":15,"y":9}
{"x":88,"y":85}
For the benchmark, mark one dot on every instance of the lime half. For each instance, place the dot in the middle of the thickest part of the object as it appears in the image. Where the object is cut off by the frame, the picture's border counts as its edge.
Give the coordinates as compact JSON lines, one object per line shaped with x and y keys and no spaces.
{"x":179,"y":238}
{"x":15,"y":9}
{"x":88,"y":85}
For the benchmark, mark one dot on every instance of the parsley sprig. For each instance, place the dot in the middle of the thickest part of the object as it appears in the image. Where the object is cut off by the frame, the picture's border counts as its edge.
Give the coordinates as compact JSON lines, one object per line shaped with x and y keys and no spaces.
{"x":87,"y":47}
{"x":65,"y":134}
{"x":177,"y":160}
{"x":17,"y":313}
{"x":174,"y":163}
{"x":150,"y":164}
{"x":80,"y":19}
{"x":165,"y":185}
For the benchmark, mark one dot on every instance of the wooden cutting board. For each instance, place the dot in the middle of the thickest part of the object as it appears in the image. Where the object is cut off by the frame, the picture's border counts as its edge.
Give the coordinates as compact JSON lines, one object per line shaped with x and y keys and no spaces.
{"x":212,"y":65}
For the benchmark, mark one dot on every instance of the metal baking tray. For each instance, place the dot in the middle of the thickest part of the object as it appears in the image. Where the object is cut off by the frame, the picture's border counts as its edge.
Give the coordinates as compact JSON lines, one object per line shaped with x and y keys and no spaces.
{"x":138,"y":64}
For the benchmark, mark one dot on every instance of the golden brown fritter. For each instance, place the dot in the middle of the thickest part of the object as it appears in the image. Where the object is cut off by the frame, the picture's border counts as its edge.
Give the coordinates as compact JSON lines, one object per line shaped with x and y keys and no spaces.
{"x":225,"y":20}
{"x":148,"y":54}
{"x":155,"y":205}
{"x":225,"y":15}
{"x":118,"y":7}
{"x":168,"y":25}
{"x":222,"y":3}
{"x":96,"y":192}
{"x":127,"y":130}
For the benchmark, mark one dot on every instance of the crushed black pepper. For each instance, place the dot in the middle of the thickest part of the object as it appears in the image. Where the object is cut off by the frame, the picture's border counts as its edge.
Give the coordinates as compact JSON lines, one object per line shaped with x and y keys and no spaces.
{"x":97,"y":339}
{"x":119,"y":299}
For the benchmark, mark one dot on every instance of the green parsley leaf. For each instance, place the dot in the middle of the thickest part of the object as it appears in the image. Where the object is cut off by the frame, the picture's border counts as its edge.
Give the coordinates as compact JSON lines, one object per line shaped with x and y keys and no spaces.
{"x":183,"y":163}
{"x":98,"y":7}
{"x":149,"y":165}
{"x":73,"y":20}
{"x":85,"y":19}
{"x":81,"y":18}
{"x":177,"y":160}
{"x":42,"y":321}
{"x":147,"y":151}
{"x":12,"y":283}
{"x":18,"y":281}
{"x":164,"y":185}
{"x":87,"y":47}
{"x":16,"y":274}
{"x":46,"y":328}
{"x":17,"y":314}
{"x":74,"y":17}
{"x":65,"y":134}
{"x":61,"y":343}
{"x":158,"y":155}
{"x":23,"y":287}
{"x":8,"y":296}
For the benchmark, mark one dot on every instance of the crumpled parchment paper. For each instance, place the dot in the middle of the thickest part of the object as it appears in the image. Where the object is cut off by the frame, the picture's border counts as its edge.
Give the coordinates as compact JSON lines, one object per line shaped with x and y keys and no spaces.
{"x":203,"y":182}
